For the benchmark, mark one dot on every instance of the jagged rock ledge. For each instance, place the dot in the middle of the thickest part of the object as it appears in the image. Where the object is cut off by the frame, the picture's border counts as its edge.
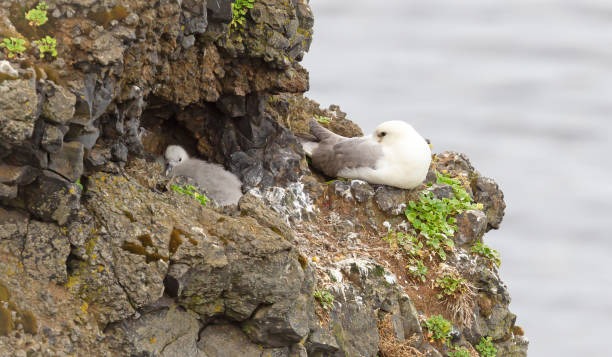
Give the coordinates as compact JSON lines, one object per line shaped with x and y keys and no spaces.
{"x":100,"y":258}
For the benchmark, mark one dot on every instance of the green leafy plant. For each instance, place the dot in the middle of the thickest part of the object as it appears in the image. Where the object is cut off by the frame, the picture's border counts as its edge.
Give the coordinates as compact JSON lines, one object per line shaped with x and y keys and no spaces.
{"x":485,"y":347}
{"x":322,"y":119}
{"x":459,"y":352}
{"x":417,"y":269}
{"x":14,"y":46}
{"x":487,"y":252}
{"x":38,"y":15}
{"x":407,"y":243}
{"x":190,"y":190}
{"x":439,"y":328}
{"x":434,"y":218}
{"x":451,"y":285}
{"x":78,"y":183}
{"x":47,"y":44}
{"x":239,"y":11}
{"x":325,"y":298}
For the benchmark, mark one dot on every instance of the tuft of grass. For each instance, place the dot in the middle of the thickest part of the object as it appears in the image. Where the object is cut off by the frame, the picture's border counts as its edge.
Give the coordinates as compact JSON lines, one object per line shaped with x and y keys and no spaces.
{"x":485,"y":347}
{"x":434,"y":218}
{"x":457,"y":293}
{"x":487,"y":252}
{"x":325,"y":298}
{"x":15,"y":46}
{"x":38,"y":15}
{"x":78,"y":183}
{"x":239,"y":11}
{"x":190,"y":190}
{"x":322,"y":119}
{"x":439,"y":329}
{"x":46,"y":44}
{"x":459,"y":352}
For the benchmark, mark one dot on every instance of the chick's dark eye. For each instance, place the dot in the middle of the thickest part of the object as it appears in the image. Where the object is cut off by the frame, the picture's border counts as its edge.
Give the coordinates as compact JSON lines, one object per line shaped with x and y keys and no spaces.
{"x":181,"y":159}
{"x":383,"y":133}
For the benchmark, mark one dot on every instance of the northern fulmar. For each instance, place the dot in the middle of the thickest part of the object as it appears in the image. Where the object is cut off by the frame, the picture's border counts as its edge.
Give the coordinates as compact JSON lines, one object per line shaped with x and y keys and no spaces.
{"x":395,"y":154}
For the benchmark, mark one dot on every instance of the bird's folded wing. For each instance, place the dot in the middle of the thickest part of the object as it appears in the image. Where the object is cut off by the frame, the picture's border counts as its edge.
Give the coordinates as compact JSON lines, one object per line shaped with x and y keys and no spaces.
{"x":357,"y":152}
{"x":348,"y":154}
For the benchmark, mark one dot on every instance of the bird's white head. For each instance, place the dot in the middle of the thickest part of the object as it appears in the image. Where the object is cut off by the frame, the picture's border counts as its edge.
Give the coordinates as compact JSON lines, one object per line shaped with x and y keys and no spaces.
{"x":393,"y":132}
{"x":174,"y":155}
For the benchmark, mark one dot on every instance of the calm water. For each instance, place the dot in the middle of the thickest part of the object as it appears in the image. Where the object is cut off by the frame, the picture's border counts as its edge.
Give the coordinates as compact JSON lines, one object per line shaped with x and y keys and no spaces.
{"x":524,"y":87}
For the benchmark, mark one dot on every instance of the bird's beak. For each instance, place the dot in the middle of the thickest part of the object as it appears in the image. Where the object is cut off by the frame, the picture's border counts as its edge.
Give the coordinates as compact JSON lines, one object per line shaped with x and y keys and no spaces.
{"x":169,"y":167}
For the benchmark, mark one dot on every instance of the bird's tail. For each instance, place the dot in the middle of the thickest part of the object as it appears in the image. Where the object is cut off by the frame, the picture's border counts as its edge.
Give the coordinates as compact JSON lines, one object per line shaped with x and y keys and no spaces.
{"x":309,"y":142}
{"x":320,"y":132}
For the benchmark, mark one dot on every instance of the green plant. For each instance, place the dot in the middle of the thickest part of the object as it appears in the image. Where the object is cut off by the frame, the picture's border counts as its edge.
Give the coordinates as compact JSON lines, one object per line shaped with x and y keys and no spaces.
{"x":15,"y":46}
{"x":190,"y":190}
{"x":459,"y":352}
{"x":417,"y":269}
{"x":487,"y":252}
{"x":434,"y":218}
{"x":485,"y":347}
{"x":325,"y":298}
{"x":407,"y":243}
{"x":38,"y":15}
{"x":451,"y":285}
{"x":78,"y":183}
{"x":239,"y":10}
{"x":47,"y":44}
{"x":439,"y":328}
{"x":322,"y":119}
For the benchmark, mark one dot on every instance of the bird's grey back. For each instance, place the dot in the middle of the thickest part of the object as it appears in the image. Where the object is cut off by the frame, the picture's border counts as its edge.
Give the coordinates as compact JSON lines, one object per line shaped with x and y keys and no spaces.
{"x":333,"y":155}
{"x":221,"y":185}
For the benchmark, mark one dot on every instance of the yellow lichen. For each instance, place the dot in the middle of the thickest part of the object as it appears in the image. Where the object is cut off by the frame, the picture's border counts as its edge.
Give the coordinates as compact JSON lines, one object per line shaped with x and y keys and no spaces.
{"x":175,"y":240}
{"x":5,"y":294}
{"x":28,"y":321}
{"x":6,"y":321}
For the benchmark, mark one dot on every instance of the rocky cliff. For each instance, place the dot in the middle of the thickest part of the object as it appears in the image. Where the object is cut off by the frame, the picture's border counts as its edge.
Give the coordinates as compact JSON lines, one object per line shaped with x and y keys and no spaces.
{"x":102,"y":255}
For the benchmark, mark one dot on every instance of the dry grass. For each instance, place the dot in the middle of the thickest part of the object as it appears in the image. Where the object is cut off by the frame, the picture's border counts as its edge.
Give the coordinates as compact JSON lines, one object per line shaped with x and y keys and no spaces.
{"x":461,"y":304}
{"x":389,"y":346}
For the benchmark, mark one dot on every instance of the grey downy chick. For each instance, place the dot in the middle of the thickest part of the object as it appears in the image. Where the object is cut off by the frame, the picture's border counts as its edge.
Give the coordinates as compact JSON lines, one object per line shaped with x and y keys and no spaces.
{"x":220,"y":185}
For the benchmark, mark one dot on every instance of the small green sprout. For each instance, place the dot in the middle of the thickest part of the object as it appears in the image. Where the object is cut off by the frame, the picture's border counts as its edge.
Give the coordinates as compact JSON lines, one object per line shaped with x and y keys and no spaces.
{"x":14,"y":46}
{"x":325,"y":298}
{"x":190,"y":190}
{"x":439,"y":329}
{"x":459,"y":352}
{"x":487,"y":252}
{"x":485,"y":347}
{"x":47,"y":44}
{"x":38,"y":16}
{"x":322,"y":119}
{"x":78,"y":183}
{"x":239,"y":11}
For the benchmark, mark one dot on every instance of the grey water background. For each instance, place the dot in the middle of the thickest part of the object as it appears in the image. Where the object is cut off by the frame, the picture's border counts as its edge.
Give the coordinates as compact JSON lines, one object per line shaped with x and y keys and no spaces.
{"x":524,"y":87}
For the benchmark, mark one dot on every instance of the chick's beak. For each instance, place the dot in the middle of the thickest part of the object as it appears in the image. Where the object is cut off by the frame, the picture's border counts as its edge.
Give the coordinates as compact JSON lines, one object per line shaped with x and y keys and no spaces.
{"x":169,"y":167}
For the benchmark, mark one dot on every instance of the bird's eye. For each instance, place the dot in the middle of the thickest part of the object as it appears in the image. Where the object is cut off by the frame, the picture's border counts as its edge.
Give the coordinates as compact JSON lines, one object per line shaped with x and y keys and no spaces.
{"x":383,"y":133}
{"x":180,"y":159}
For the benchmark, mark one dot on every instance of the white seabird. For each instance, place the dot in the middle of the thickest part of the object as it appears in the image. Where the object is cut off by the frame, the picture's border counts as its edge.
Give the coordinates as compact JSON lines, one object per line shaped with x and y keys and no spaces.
{"x":395,"y":154}
{"x":220,"y":185}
